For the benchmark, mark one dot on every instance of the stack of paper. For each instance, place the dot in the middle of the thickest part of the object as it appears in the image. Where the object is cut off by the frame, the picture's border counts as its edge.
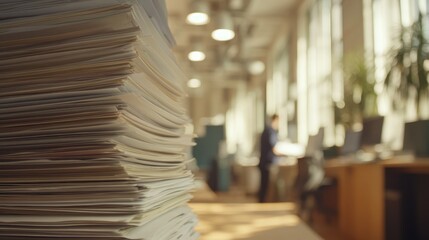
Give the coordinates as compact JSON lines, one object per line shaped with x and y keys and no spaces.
{"x":92,"y":136}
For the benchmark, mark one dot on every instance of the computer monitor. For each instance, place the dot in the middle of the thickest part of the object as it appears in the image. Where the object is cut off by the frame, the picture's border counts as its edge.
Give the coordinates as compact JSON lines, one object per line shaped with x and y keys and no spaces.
{"x":416,"y":138}
{"x":371,"y":131}
{"x":351,"y":142}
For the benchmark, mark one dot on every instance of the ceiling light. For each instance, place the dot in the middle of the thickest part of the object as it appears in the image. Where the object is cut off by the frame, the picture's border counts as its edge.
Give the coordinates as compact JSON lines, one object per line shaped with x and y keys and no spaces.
{"x":256,"y":67}
{"x":223,"y":34}
{"x":197,"y":18}
{"x":199,"y":14}
{"x":197,"y":52}
{"x":194,"y":83}
{"x":224,"y":28}
{"x":196,"y":56}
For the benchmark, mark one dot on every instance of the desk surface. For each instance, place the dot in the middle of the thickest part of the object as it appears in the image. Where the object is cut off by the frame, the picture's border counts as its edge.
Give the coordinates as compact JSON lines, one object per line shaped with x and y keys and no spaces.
{"x":394,"y":162}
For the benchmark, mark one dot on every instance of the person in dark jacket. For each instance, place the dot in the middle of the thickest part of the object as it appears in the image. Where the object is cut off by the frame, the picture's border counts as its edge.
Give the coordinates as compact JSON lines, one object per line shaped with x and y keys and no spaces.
{"x":268,"y":155}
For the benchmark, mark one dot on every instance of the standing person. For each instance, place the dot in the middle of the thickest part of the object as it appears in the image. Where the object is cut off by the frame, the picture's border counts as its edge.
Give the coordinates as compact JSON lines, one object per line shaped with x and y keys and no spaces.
{"x":268,"y":155}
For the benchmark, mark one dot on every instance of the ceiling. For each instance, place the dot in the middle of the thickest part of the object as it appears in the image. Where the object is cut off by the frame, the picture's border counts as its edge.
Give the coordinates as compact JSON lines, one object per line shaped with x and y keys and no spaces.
{"x":257,"y":23}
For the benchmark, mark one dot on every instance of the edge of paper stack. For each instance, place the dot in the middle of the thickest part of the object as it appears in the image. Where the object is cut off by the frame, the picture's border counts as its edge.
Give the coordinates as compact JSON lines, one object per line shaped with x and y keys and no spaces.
{"x":92,"y":123}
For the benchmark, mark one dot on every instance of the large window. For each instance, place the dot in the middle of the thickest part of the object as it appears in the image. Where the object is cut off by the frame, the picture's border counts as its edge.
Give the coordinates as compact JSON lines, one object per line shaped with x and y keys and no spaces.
{"x":319,"y":69}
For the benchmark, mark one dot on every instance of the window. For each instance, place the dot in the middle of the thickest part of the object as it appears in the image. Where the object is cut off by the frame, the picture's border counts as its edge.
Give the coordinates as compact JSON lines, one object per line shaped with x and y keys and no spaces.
{"x":319,"y":70}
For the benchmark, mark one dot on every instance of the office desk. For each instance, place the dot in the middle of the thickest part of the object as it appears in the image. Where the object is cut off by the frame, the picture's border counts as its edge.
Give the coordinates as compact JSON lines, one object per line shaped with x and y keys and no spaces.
{"x":362,"y":194}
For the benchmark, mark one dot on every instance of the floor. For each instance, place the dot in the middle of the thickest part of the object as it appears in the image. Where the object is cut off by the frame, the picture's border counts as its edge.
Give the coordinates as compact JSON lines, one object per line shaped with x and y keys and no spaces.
{"x":233,"y":215}
{"x":250,"y":221}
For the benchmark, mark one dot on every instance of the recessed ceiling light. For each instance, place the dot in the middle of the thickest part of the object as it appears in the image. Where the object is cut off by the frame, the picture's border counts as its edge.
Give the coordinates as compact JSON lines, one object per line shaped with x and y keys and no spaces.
{"x":194,"y":83}
{"x":196,"y":56}
{"x":197,"y":18}
{"x":223,"y":34}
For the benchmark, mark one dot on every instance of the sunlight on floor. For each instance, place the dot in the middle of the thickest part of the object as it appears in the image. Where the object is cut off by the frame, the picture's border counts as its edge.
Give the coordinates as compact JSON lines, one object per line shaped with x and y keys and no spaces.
{"x":249,"y":221}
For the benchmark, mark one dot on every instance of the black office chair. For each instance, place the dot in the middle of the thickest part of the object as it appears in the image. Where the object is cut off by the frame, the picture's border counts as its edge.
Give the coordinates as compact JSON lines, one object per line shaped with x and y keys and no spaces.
{"x":311,"y":181}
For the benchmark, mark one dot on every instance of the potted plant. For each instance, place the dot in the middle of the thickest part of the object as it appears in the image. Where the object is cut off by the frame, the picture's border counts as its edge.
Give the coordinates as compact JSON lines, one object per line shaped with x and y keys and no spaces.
{"x":359,"y":95}
{"x":407,"y":77}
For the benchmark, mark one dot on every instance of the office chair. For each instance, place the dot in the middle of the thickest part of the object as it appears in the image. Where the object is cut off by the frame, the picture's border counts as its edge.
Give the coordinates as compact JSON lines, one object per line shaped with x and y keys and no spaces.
{"x":311,"y":180}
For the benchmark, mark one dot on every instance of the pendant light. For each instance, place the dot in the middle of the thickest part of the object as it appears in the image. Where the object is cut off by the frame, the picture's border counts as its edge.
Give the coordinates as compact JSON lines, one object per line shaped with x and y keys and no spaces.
{"x":194,"y":83}
{"x":224,"y":28}
{"x":197,"y":52}
{"x":199,"y":14}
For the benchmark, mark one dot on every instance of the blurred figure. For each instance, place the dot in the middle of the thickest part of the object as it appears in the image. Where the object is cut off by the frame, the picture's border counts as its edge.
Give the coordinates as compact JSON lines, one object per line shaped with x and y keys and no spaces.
{"x":268,"y":155}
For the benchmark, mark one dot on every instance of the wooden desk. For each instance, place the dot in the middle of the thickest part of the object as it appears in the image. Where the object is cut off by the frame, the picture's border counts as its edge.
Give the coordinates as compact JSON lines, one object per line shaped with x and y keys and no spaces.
{"x":361,"y":194}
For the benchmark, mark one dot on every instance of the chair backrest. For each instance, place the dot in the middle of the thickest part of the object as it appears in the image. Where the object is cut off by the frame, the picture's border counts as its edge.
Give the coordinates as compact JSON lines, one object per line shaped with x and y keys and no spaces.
{"x":351,"y":142}
{"x":310,"y":167}
{"x":315,"y":143}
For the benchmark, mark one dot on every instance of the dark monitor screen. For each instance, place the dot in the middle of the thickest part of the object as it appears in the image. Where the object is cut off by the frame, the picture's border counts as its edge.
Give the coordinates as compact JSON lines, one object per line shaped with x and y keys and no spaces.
{"x":351,"y":142}
{"x":371,"y":131}
{"x":416,"y":138}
